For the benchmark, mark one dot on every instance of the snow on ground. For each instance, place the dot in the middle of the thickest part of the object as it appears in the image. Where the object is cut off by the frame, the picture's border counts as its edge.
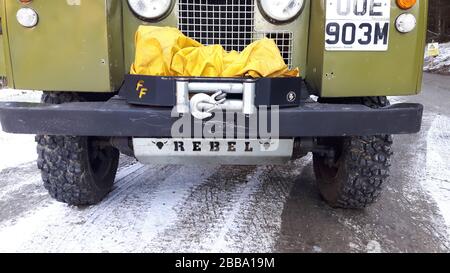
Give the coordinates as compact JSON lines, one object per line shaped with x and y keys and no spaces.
{"x":180,"y":209}
{"x":17,"y":149}
{"x":438,"y":165}
{"x":441,"y":63}
{"x":161,"y":209}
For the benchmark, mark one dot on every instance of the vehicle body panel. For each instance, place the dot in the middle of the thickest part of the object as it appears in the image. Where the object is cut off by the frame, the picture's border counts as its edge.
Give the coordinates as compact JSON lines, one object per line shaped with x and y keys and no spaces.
{"x":5,"y":60}
{"x":2,"y":58}
{"x":397,"y":71}
{"x":2,"y":49}
{"x":88,"y":46}
{"x":76,"y":46}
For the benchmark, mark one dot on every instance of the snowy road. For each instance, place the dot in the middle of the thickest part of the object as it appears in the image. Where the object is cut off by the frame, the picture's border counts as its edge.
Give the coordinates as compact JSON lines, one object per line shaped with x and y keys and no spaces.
{"x":245,"y":209}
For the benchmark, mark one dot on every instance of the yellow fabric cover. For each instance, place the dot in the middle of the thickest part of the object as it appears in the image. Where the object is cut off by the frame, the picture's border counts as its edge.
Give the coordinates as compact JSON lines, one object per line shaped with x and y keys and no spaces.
{"x":166,"y":51}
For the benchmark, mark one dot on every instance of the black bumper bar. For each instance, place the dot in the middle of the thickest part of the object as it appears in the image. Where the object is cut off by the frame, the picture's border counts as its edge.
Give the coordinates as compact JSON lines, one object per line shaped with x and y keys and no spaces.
{"x":119,"y":119}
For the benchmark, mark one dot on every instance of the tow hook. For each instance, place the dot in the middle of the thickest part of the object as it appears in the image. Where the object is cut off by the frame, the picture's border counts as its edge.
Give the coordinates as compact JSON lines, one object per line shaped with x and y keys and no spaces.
{"x":202,"y":105}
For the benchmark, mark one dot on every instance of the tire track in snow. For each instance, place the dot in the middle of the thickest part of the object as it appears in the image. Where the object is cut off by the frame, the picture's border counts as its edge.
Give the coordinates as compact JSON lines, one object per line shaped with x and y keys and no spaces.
{"x":140,"y":207}
{"x":22,"y":190}
{"x":205,"y":210}
{"x":13,"y":179}
{"x":163,"y":214}
{"x":57,"y":225}
{"x":43,"y":219}
{"x":132,"y":221}
{"x":216,"y":240}
{"x":438,"y":166}
{"x":237,"y":210}
{"x":119,"y":212}
{"x":255,"y":224}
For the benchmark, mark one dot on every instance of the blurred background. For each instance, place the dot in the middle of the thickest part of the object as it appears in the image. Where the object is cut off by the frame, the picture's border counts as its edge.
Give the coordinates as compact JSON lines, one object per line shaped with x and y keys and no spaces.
{"x":439,"y":21}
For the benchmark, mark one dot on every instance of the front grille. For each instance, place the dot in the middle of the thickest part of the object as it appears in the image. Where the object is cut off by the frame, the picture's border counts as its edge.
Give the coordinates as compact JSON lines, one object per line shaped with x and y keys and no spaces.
{"x":229,"y":23}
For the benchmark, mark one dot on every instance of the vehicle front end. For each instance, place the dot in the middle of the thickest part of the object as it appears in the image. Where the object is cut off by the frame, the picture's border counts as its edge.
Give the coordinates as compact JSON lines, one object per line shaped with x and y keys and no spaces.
{"x":351,"y":55}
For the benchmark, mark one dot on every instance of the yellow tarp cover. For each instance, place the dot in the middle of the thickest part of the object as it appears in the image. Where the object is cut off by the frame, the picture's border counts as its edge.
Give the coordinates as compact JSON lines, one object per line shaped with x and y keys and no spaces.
{"x":166,"y":51}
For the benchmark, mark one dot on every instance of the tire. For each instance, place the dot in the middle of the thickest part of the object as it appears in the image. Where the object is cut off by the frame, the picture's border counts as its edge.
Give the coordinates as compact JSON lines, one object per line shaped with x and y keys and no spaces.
{"x":354,"y":177}
{"x":79,"y":171}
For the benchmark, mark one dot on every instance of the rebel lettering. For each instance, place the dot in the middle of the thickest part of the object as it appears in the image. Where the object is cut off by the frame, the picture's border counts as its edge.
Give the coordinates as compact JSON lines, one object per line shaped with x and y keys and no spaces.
{"x":232,"y":146}
{"x":179,"y":146}
{"x":197,"y":146}
{"x":215,"y":146}
{"x":248,"y":148}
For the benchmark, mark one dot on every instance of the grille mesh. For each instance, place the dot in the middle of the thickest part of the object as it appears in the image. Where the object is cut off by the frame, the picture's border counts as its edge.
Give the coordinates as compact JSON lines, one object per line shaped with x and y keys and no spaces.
{"x":229,"y":23}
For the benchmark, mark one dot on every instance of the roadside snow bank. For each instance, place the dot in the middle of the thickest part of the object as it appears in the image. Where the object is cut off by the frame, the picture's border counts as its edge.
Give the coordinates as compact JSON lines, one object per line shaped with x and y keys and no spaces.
{"x":439,"y":64}
{"x":17,"y":149}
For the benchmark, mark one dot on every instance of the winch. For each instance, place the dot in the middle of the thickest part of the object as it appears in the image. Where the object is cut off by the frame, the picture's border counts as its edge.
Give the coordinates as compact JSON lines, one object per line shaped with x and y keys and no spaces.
{"x":201,"y":96}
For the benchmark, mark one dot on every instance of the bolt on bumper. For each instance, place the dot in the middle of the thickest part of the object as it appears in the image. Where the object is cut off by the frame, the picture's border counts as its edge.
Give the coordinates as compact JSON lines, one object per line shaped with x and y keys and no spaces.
{"x":117,"y":118}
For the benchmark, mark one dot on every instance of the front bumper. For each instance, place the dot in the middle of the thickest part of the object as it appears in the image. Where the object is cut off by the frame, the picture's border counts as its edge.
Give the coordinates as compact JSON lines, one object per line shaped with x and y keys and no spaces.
{"x":117,"y":118}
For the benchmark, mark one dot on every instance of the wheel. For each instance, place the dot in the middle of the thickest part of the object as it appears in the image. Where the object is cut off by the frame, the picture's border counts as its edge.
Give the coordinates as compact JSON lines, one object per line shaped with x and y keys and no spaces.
{"x":76,"y":170}
{"x":353,"y":176}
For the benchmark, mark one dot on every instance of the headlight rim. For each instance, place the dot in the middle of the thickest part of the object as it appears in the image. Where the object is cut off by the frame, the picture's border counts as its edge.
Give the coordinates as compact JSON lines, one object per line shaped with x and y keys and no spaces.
{"x":152,"y":20}
{"x":30,"y":25}
{"x":277,"y":21}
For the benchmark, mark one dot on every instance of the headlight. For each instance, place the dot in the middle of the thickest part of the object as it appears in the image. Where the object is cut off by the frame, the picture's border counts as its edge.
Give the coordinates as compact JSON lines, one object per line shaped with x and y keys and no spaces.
{"x":150,"y":9}
{"x":281,"y":10}
{"x":27,"y":17}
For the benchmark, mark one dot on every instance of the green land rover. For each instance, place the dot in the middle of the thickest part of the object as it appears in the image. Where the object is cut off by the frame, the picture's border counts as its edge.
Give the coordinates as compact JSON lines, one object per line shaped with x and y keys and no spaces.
{"x":351,"y":54}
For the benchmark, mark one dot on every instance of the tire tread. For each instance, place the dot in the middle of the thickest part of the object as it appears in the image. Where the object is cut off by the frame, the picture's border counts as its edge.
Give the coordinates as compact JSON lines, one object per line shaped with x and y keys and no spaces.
{"x":63,"y":162}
